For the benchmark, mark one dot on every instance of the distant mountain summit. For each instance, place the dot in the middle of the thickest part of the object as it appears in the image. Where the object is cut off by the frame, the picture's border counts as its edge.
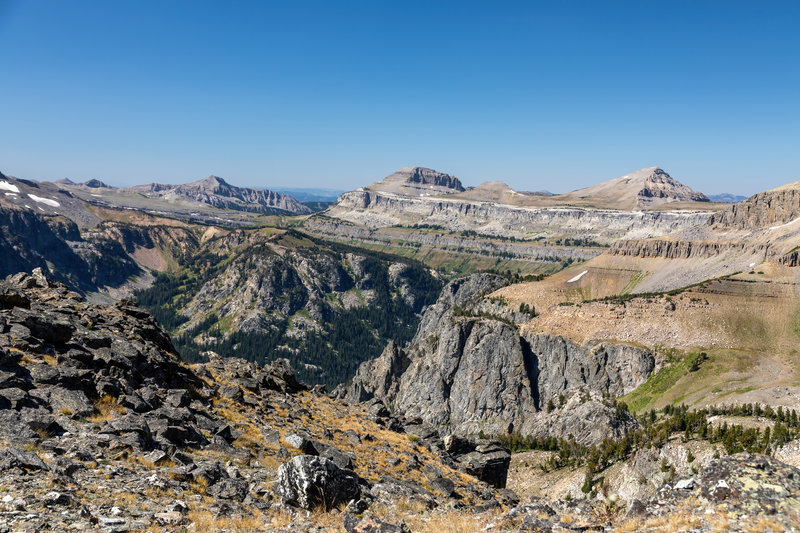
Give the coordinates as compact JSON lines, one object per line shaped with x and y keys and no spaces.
{"x":91,"y":184}
{"x":648,"y":187}
{"x":216,"y":192}
{"x":96,"y":184}
{"x":418,"y":181}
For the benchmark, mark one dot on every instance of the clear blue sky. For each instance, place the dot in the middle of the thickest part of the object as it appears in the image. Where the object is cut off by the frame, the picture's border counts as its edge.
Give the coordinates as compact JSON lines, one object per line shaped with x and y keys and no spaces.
{"x":543,"y":95}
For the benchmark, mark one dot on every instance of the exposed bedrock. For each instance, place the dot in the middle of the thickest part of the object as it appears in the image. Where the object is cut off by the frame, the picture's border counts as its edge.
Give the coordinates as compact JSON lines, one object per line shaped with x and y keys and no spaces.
{"x":469,"y":373}
{"x":768,"y":208}
{"x":685,"y":249}
{"x":375,"y":209}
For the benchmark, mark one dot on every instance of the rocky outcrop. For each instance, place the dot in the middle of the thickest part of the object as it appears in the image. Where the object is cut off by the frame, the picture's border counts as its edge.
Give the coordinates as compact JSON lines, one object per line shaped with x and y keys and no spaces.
{"x":56,"y":245}
{"x":731,"y":493}
{"x":484,"y":459}
{"x":686,"y":249}
{"x":379,"y":377}
{"x":763,"y":210}
{"x":562,"y":368}
{"x":470,"y":372}
{"x":753,"y":484}
{"x":791,"y":259}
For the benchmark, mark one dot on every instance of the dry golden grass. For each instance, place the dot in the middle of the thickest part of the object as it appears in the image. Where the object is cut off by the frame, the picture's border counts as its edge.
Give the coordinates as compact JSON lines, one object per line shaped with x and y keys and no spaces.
{"x":204,"y":521}
{"x":106,"y":408}
{"x":680,"y":520}
{"x":199,"y":485}
{"x":419,"y":519}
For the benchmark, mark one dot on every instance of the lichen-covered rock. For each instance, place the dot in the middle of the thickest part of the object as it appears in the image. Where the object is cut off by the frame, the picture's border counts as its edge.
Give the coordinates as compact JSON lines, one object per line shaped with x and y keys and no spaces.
{"x":758,"y":483}
{"x":309,"y":482}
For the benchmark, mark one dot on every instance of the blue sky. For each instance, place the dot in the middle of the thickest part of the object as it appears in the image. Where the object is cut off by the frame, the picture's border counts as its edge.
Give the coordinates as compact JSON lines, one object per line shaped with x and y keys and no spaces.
{"x":543,"y":95}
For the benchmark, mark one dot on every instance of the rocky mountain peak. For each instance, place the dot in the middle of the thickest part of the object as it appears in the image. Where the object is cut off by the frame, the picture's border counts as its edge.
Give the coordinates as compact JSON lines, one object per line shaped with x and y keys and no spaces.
{"x":212,"y":181}
{"x":647,"y":187}
{"x":469,"y":369}
{"x":659,"y":184}
{"x":96,"y":184}
{"x":418,"y":181}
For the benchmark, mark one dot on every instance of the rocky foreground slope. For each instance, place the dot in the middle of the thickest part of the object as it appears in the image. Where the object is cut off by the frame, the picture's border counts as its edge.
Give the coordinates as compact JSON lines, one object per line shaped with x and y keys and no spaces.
{"x":103,"y":425}
{"x":104,"y":428}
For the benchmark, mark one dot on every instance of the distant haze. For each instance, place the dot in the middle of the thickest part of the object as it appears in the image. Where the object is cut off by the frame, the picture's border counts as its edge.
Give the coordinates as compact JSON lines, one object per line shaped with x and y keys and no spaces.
{"x":305,"y":194}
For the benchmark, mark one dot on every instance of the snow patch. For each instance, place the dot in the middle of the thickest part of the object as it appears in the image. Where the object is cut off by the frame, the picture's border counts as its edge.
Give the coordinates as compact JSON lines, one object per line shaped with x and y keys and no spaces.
{"x":45,"y":201}
{"x":787,"y":224}
{"x":9,"y":186}
{"x":11,"y":194}
{"x":579,"y":276}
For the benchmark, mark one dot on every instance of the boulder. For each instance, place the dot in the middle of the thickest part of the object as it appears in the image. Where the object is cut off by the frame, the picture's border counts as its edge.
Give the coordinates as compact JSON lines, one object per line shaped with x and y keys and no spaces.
{"x":311,"y":482}
{"x":12,"y":297}
{"x":11,"y":457}
{"x":488,"y":461}
{"x":321,"y":449}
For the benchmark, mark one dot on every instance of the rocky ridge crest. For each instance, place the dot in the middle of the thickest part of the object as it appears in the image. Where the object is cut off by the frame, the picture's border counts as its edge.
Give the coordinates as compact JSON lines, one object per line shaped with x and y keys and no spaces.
{"x":468,"y":369}
{"x":217,"y":192}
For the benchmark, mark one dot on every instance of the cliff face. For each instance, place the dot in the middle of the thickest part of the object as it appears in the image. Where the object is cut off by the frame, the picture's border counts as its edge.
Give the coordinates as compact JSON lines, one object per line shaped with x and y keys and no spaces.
{"x":55,"y":245}
{"x":473,"y":373}
{"x":763,"y":210}
{"x":683,"y":249}
{"x":563,"y":367}
{"x":376,"y":209}
{"x":339,"y":229}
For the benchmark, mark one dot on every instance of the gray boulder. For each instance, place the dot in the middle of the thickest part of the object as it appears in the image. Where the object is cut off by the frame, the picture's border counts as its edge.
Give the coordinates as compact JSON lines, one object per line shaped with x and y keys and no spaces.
{"x":12,"y":457}
{"x":310,"y":482}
